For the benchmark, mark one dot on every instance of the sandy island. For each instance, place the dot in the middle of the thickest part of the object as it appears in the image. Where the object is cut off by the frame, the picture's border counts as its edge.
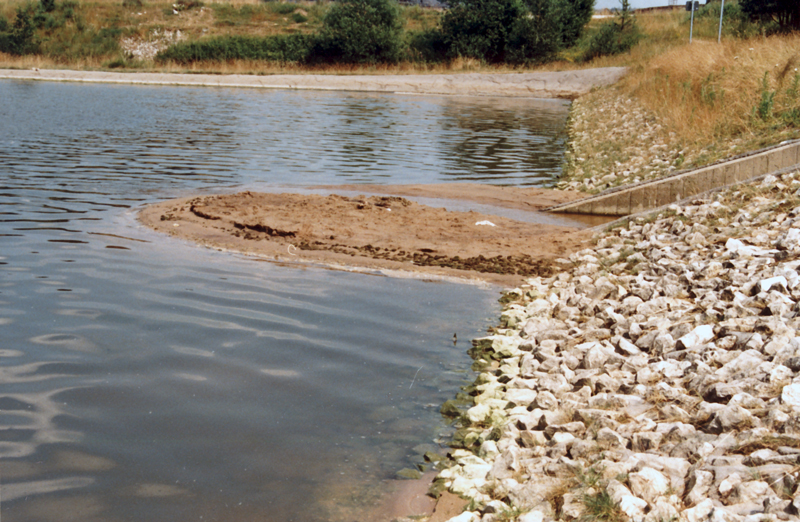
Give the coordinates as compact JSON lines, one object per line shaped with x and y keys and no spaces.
{"x":382,"y":234}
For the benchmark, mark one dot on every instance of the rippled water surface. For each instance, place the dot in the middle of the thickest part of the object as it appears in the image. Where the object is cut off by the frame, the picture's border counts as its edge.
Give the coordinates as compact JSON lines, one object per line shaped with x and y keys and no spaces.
{"x":147,"y":379}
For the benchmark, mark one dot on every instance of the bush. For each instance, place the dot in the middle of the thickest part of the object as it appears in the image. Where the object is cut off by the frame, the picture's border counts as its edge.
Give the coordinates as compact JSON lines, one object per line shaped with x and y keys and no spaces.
{"x":288,"y":48}
{"x":360,"y":31}
{"x":515,"y":31}
{"x":282,"y":8}
{"x":20,"y":38}
{"x":610,"y":40}
{"x":776,"y":15}
{"x":534,"y":38}
{"x":571,"y":17}
{"x":480,"y":28}
{"x":426,"y":46}
{"x":48,"y":6}
{"x":616,"y":37}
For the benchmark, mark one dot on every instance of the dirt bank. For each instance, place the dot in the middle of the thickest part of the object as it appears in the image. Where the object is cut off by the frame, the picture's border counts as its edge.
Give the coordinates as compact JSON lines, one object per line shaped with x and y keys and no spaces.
{"x":566,"y":84}
{"x":375,"y":233}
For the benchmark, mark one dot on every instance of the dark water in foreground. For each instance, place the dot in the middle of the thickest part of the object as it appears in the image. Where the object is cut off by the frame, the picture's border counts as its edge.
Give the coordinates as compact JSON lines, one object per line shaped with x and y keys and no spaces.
{"x":147,"y":379}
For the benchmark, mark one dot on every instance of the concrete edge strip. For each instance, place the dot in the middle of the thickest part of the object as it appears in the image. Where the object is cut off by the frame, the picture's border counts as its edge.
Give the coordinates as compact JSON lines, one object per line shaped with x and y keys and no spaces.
{"x":481,"y":86}
{"x":670,"y":177}
{"x":688,"y":199}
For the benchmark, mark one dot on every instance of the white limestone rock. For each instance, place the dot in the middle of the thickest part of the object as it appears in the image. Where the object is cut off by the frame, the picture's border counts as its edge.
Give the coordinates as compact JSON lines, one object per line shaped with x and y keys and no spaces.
{"x":466,"y":516}
{"x":699,"y":513}
{"x":700,"y":335}
{"x":649,"y":484}
{"x":790,"y":395}
{"x":699,"y":485}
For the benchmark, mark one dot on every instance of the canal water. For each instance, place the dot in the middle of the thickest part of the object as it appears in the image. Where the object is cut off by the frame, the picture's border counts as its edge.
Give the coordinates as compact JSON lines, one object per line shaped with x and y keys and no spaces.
{"x":143,"y":378}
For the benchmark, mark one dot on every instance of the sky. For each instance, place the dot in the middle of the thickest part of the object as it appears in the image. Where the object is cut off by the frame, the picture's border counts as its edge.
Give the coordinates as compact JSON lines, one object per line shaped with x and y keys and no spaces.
{"x":636,"y":4}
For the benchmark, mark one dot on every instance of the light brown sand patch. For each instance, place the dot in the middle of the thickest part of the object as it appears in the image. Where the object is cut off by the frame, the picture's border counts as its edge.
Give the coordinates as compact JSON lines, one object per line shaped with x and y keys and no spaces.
{"x":376,"y":233}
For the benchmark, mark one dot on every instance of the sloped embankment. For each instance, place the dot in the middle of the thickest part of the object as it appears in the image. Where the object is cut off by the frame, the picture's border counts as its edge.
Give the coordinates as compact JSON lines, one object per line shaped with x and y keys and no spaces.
{"x":654,"y":378}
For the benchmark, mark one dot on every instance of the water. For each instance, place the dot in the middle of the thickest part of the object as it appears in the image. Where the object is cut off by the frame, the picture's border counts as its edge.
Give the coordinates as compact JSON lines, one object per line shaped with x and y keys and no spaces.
{"x":144,"y":378}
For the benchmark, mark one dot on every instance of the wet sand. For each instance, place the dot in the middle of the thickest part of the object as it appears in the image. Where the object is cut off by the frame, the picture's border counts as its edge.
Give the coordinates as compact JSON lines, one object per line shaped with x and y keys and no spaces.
{"x":380,"y":234}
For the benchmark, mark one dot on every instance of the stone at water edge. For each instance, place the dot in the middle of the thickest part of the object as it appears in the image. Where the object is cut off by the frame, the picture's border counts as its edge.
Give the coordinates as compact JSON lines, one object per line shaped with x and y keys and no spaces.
{"x":466,"y":516}
{"x":409,"y":473}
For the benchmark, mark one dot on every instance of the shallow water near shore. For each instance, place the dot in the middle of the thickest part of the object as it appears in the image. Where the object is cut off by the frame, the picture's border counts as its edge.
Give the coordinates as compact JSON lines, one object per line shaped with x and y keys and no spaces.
{"x":144,"y":378}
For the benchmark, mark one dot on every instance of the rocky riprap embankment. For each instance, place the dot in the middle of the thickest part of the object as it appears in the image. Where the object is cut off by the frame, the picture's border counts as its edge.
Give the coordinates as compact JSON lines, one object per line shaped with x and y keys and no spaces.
{"x":139,"y":48}
{"x":615,"y":135}
{"x":655,"y":378}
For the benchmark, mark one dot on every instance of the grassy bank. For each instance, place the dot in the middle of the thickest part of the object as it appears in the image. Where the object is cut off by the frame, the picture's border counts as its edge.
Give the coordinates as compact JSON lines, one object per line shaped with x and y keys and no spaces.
{"x":683,"y":107}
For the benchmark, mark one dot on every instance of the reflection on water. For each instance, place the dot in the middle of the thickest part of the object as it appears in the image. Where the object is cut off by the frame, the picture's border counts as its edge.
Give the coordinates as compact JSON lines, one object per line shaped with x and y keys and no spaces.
{"x":148,"y":379}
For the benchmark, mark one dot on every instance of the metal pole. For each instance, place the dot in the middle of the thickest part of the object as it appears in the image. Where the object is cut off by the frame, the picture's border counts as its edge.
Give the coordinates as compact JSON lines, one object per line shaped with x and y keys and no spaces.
{"x":721,"y":10}
{"x":691,"y":25}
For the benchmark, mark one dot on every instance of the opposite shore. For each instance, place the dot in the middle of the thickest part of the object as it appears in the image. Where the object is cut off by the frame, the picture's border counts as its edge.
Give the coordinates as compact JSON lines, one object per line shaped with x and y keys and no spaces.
{"x":567,"y":84}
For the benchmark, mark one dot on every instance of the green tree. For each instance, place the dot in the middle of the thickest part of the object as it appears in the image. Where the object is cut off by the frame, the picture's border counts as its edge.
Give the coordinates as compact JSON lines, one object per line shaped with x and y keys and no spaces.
{"x":20,"y":38}
{"x":480,"y":28}
{"x":360,"y":31}
{"x":516,"y":31}
{"x":571,"y":16}
{"x":625,"y":19}
{"x":535,"y":37}
{"x":614,"y":37}
{"x":783,"y":14}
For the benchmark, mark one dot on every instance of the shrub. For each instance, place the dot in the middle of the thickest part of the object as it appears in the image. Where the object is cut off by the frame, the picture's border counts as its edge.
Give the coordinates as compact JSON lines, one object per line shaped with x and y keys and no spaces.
{"x":48,"y":6}
{"x":516,"y":31}
{"x":20,"y":38}
{"x":534,"y":38}
{"x":282,"y":48}
{"x":185,"y":5}
{"x":360,"y":31}
{"x":282,"y":8}
{"x":615,"y":37}
{"x":610,"y":40}
{"x":570,"y":17}
{"x":777,"y":15}
{"x":426,"y":46}
{"x":480,"y":28}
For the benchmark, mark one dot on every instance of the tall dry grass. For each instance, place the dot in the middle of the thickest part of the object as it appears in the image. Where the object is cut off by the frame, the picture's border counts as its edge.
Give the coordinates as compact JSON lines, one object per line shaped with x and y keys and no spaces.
{"x":708,"y":90}
{"x":261,"y":67}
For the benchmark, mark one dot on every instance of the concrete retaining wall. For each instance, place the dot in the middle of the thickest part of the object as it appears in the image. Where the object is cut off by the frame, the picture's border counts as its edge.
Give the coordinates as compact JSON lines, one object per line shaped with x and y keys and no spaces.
{"x":632,"y":199}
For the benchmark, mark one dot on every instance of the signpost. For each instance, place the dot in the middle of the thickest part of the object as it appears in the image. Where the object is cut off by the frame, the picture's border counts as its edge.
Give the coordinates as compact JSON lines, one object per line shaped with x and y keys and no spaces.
{"x":721,"y":10}
{"x":692,"y":5}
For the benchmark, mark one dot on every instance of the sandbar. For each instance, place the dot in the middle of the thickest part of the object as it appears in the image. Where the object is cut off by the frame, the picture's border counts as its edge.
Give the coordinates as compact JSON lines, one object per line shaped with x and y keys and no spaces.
{"x":387,"y":234}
